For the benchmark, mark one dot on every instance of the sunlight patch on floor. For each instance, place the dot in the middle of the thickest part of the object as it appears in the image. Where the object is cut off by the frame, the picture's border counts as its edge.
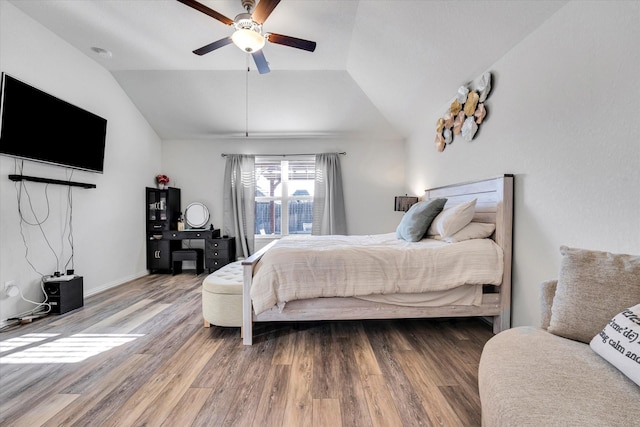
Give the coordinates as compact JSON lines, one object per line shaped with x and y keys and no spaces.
{"x":73,"y":349}
{"x":27,"y":339}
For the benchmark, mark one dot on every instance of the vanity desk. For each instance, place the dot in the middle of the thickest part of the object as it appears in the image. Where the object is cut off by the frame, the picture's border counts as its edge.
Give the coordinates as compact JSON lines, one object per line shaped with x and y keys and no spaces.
{"x":218,"y":251}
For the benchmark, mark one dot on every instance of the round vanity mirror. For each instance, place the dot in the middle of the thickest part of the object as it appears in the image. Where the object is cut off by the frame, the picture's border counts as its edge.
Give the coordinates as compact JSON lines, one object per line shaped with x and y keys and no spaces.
{"x":196,"y":215}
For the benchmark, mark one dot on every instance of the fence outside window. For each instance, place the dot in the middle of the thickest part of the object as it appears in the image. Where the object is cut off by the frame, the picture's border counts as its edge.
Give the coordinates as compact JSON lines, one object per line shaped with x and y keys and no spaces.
{"x":290,"y":183}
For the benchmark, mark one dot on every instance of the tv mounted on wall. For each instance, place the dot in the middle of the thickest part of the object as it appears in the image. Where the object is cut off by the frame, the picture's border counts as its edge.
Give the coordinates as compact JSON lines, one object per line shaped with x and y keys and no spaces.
{"x":38,"y":126}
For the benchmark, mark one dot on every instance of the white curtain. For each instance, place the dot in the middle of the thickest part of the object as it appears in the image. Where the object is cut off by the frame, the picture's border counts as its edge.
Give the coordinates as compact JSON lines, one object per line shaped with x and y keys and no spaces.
{"x":328,"y":200}
{"x":239,"y":202}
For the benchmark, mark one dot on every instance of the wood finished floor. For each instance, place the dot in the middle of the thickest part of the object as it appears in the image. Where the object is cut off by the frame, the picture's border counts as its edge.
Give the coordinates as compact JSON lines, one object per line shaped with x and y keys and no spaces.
{"x":177,"y":373}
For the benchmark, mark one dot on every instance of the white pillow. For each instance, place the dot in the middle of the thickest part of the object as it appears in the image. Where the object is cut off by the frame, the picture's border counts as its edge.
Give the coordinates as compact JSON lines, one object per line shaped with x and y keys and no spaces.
{"x":619,"y":344}
{"x":451,"y":220}
{"x":473,"y":230}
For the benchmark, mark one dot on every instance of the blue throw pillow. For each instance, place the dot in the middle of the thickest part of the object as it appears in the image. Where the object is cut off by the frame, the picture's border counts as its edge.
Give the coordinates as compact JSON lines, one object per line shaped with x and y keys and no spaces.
{"x":418,"y":218}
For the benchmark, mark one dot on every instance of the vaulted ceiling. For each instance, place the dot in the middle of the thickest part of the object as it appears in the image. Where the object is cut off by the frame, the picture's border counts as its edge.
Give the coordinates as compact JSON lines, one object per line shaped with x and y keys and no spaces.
{"x":378,"y":66}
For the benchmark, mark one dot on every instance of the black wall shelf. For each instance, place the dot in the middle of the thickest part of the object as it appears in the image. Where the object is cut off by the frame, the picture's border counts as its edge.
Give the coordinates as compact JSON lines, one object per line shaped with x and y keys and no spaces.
{"x":50,"y":181}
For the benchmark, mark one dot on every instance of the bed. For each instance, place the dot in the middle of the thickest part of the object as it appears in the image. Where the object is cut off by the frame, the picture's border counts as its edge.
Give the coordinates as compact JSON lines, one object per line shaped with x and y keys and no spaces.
{"x":470,"y":292}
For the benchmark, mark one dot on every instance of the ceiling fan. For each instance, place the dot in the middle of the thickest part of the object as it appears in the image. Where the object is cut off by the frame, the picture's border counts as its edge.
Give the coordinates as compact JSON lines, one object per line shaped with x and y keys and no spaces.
{"x":248,"y":34}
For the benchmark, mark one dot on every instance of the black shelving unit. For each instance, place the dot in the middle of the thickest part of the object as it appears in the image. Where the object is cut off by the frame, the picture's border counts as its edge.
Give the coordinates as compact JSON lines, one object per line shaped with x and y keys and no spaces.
{"x":17,"y":178}
{"x":163,"y":210}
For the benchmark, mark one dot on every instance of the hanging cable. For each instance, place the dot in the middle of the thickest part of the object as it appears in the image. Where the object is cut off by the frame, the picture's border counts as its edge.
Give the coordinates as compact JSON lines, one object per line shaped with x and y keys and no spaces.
{"x":246,"y":133}
{"x":69,"y":223}
{"x":20,"y":189}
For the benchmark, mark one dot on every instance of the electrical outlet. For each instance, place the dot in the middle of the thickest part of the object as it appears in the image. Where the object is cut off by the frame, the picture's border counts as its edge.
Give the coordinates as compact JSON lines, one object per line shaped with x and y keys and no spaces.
{"x":11,"y":289}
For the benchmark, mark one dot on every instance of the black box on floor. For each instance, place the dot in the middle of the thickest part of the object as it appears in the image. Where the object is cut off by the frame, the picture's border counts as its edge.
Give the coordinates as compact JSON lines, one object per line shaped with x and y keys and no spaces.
{"x":64,"y":293}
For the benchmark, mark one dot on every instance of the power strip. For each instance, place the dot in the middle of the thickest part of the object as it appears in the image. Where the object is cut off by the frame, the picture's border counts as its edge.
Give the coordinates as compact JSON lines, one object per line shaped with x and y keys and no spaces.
{"x":27,"y":318}
{"x":63,"y":278}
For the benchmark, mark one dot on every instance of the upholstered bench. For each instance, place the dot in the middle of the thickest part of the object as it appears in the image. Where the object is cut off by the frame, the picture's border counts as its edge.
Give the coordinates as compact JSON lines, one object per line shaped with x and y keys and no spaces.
{"x":222,"y":296}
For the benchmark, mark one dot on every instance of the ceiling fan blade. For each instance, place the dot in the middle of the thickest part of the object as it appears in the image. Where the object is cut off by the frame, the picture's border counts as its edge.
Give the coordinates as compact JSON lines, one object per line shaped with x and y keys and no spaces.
{"x":292,"y":42}
{"x":261,"y":62}
{"x":213,"y":46}
{"x":207,"y":11}
{"x":263,"y":10}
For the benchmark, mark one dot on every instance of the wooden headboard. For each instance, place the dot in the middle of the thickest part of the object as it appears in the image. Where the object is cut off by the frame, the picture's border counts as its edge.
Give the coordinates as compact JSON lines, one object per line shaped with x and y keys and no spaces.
{"x":494,"y":205}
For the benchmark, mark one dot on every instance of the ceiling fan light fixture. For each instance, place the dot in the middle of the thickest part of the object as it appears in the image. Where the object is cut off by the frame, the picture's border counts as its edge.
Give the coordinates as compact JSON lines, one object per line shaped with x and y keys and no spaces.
{"x":248,"y":40}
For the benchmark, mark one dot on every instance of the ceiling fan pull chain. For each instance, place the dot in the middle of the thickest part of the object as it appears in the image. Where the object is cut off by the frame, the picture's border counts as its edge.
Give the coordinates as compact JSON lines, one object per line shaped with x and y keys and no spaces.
{"x":246,"y":134}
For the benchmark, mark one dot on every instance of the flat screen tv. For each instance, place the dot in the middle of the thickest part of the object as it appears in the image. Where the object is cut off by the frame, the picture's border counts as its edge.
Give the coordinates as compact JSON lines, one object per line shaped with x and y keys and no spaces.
{"x":38,"y":126}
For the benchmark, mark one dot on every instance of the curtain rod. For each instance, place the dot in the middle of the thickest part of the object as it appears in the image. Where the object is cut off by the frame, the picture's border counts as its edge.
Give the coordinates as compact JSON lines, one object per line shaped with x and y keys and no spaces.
{"x":344,"y":153}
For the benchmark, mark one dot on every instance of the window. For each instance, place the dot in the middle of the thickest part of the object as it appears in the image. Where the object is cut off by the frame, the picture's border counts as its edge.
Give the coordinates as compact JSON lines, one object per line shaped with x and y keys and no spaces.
{"x":287,"y":183}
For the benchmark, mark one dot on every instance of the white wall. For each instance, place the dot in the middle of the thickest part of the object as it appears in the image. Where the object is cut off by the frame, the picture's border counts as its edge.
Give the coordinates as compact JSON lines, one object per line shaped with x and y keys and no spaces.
{"x":108,"y":234}
{"x":562,"y":118}
{"x":372,"y":173}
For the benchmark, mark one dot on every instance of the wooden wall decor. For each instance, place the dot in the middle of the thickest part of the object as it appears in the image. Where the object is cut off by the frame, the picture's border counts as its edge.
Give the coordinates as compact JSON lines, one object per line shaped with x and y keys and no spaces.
{"x":466,"y":113}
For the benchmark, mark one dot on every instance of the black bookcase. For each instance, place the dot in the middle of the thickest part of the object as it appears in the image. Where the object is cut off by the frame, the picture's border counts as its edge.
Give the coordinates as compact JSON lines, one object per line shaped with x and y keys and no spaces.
{"x":162,"y":212}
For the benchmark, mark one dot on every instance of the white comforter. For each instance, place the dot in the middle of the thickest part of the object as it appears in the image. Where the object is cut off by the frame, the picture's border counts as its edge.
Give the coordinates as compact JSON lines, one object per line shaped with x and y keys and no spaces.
{"x":330,"y":266}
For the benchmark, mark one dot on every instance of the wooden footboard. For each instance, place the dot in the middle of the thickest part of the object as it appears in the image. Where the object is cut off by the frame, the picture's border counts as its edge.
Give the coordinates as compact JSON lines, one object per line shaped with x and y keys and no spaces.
{"x":248,"y":266}
{"x":494,"y":205}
